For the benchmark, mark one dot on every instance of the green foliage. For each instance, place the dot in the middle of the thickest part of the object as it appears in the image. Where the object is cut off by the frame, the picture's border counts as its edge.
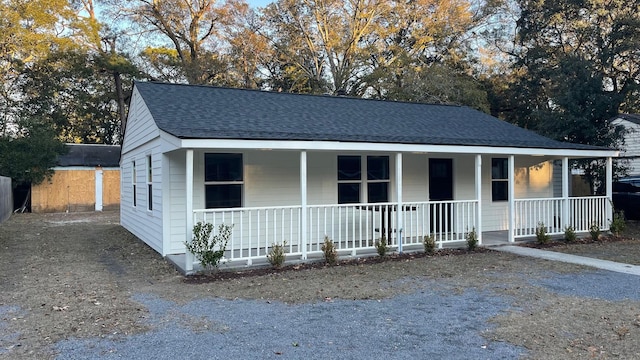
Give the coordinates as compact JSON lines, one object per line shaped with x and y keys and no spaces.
{"x":73,"y":91}
{"x":570,"y":234}
{"x":541,"y":234}
{"x":429,"y":243}
{"x":203,"y":245}
{"x":594,"y":231}
{"x":567,"y":80}
{"x":618,"y":224}
{"x":381,"y":246}
{"x":329,"y":251}
{"x":277,"y":254}
{"x":472,"y":239}
{"x":30,"y":156}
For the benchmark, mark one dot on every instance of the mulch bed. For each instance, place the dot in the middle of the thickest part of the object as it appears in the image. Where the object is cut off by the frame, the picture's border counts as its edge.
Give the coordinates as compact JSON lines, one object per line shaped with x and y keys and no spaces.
{"x":604,"y":238}
{"x":218,"y":275}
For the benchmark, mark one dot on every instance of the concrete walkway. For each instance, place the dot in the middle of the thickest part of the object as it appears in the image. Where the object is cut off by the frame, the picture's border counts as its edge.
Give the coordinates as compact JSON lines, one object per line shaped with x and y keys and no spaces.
{"x":568,"y":258}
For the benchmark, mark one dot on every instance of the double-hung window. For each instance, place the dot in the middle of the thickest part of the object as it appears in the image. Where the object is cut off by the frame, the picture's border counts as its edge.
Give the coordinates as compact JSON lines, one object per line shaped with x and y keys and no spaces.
{"x":377,"y":179}
{"x":499,"y":179}
{"x":223,"y":180}
{"x":350,"y":179}
{"x":149,"y":184}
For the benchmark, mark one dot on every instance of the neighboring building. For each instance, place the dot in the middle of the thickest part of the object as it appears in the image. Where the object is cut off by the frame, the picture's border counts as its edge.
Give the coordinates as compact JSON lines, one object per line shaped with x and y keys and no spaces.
{"x":296,"y":168}
{"x":87,"y":178}
{"x":631,"y":122}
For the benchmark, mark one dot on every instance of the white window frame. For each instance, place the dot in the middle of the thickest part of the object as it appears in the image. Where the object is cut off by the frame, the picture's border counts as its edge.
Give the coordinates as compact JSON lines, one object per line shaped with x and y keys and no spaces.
{"x":149,"y":178}
{"x":233,"y":182}
{"x":378,"y":181}
{"x":500,"y":180}
{"x":134,"y":183}
{"x":360,"y":181}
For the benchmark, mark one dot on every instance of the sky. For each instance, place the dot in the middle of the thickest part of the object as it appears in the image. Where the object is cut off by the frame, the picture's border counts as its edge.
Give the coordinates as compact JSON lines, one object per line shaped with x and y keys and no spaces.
{"x":259,"y":3}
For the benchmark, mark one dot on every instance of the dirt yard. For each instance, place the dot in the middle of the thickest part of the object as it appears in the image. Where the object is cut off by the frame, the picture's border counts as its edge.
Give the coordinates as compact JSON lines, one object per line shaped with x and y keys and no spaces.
{"x":74,"y":275}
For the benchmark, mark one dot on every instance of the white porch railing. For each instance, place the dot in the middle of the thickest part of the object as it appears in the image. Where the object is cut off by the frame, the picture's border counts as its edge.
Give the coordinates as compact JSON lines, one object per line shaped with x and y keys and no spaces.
{"x":355,"y":228}
{"x":351,"y":227}
{"x":256,"y":229}
{"x":582,"y":213}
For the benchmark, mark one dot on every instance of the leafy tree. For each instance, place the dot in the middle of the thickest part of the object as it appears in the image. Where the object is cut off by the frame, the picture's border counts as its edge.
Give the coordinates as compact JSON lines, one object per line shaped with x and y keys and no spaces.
{"x":74,"y":92}
{"x":28,"y":32}
{"x":189,"y":37}
{"x":576,"y":66}
{"x":29,"y":155}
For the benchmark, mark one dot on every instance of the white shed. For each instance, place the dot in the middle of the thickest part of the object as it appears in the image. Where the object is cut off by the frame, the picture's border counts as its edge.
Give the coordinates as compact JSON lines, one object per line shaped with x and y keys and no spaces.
{"x":291,"y":167}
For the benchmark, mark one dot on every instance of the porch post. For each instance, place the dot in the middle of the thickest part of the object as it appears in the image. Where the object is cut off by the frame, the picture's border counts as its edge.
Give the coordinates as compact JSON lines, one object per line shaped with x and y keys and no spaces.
{"x":400,"y":211}
{"x":303,"y":203}
{"x":609,"y":184}
{"x":479,"y":197}
{"x":512,"y":203}
{"x":189,"y":207}
{"x":565,"y":193}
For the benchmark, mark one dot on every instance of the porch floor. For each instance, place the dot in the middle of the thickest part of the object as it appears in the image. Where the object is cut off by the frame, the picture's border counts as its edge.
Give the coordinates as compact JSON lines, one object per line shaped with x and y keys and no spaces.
{"x":489,"y":239}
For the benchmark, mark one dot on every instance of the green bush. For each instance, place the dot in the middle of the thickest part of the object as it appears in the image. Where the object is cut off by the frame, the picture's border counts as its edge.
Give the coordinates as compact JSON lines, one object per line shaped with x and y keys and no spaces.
{"x":472,"y":239}
{"x":329,"y":251}
{"x":594,"y":230}
{"x":277,"y":254}
{"x":541,"y":234}
{"x":570,"y":234}
{"x":429,"y":242}
{"x":618,"y":224}
{"x":382,"y":247}
{"x":203,"y":245}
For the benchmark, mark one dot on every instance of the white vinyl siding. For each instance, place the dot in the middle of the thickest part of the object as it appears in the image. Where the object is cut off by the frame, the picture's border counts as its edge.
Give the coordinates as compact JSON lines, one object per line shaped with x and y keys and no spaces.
{"x":632,"y":145}
{"x":142,"y":139}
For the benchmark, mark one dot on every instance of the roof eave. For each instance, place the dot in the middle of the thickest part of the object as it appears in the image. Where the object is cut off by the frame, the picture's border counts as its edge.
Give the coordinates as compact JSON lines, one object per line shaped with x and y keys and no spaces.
{"x":388,"y":147}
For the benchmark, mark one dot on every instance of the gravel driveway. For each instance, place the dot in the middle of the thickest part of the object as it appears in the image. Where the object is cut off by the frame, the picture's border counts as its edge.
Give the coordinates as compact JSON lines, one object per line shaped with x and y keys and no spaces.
{"x":78,"y":286}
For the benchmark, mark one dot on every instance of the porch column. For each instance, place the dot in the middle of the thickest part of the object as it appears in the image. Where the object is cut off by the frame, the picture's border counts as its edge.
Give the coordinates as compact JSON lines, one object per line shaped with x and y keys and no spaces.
{"x":188,"y":266}
{"x":479,"y":197}
{"x":565,"y":193}
{"x":512,"y":202}
{"x":609,"y":185}
{"x":400,"y":211}
{"x":303,"y":203}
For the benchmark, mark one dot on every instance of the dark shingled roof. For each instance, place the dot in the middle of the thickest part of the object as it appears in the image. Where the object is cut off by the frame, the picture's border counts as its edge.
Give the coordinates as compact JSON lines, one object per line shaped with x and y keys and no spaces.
{"x":634,"y":118}
{"x":205,"y":112}
{"x":91,"y":155}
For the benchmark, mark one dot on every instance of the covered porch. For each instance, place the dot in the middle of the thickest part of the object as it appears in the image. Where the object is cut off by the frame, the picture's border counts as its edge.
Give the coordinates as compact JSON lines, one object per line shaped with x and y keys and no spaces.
{"x":403,"y":221}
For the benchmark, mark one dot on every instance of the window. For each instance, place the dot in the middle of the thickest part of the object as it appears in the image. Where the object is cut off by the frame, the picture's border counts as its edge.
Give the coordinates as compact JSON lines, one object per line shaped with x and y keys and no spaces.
{"x":350,"y":179}
{"x":499,"y":179}
{"x":377,"y":179}
{"x":149,"y":184}
{"x":133,"y":181}
{"x":223,"y":179}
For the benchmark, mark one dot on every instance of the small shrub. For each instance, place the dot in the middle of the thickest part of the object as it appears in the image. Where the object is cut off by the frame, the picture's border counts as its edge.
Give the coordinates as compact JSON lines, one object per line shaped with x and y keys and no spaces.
{"x":472,"y":239}
{"x":594,"y":230}
{"x":277,"y":254}
{"x":570,"y":234}
{"x":329,"y":251}
{"x":429,"y":242}
{"x":618,"y":223}
{"x":541,"y":234}
{"x":203,"y":245}
{"x":382,"y":247}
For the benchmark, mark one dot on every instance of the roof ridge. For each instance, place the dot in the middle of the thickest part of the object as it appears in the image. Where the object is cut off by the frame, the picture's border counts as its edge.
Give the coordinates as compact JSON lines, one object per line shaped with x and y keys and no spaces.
{"x":299,"y":94}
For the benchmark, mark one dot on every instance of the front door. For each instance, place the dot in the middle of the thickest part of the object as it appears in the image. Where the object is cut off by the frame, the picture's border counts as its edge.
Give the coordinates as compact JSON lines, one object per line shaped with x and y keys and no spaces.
{"x":441,"y":189}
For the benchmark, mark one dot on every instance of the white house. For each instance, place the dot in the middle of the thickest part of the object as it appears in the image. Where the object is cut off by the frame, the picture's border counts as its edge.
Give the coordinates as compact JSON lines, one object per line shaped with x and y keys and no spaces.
{"x":631,"y":123}
{"x":296,"y":168}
